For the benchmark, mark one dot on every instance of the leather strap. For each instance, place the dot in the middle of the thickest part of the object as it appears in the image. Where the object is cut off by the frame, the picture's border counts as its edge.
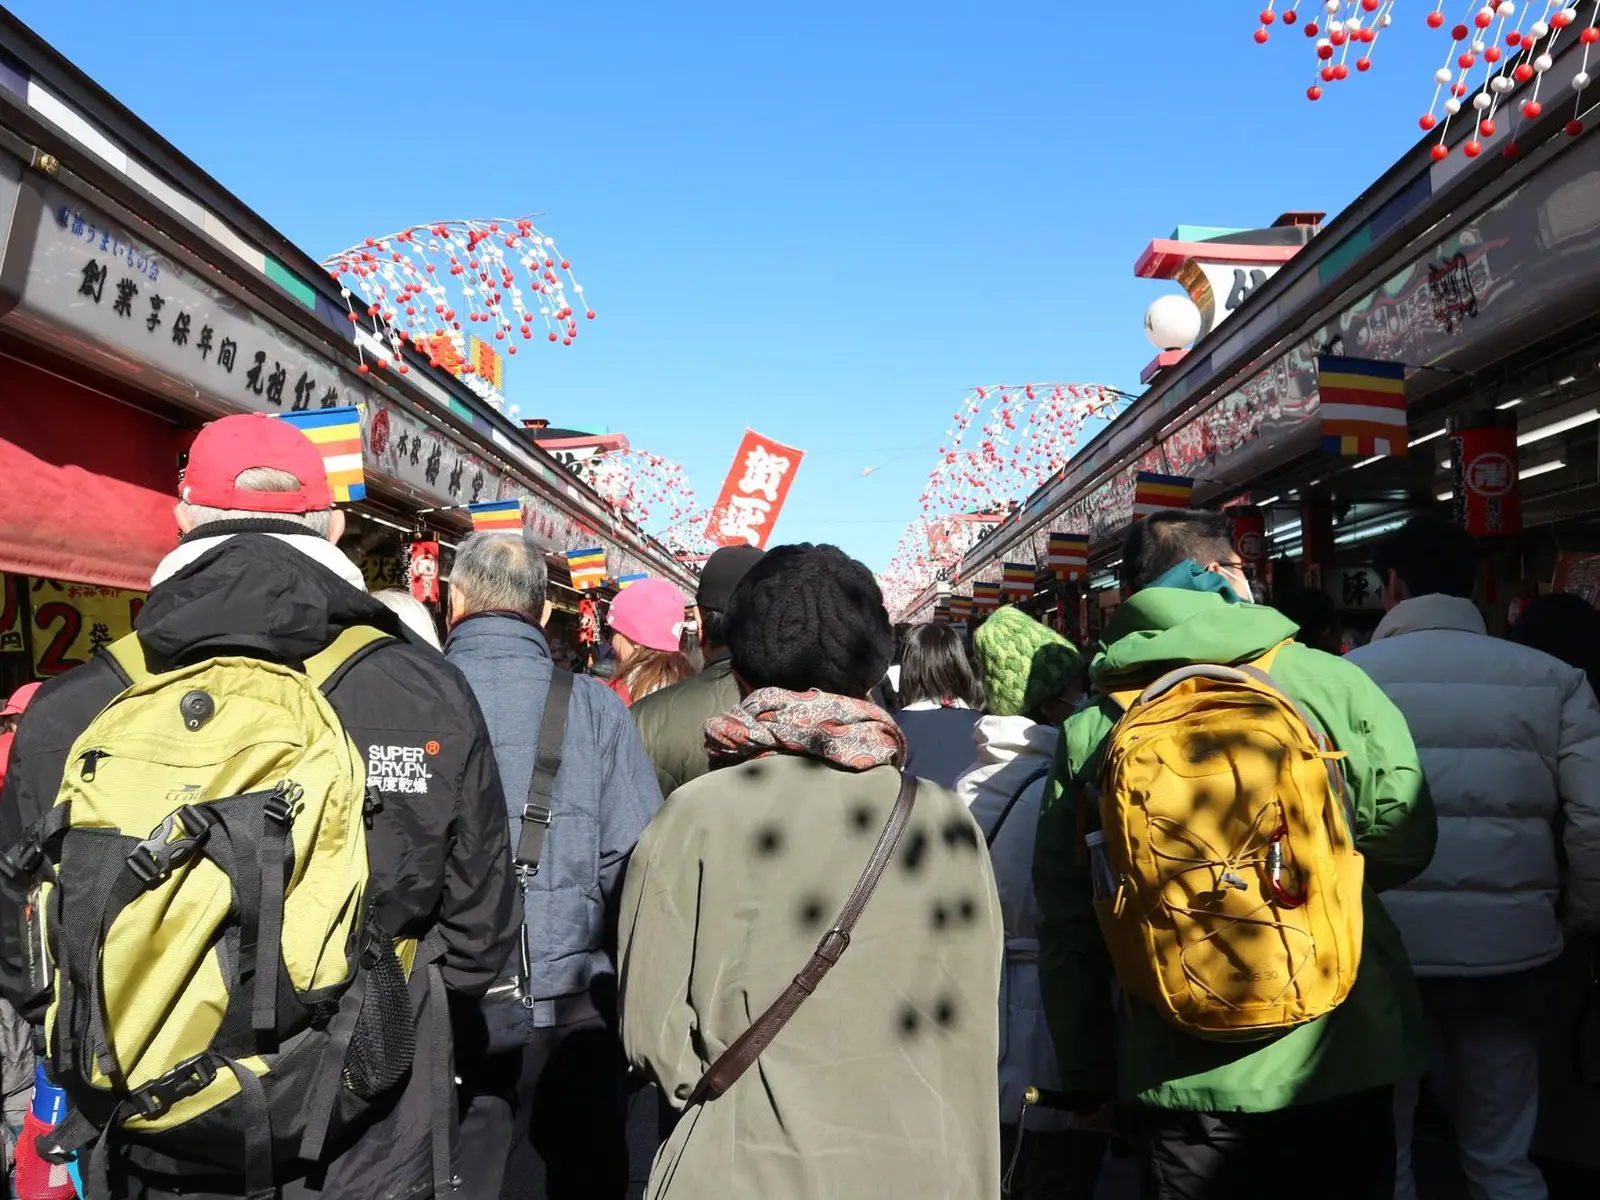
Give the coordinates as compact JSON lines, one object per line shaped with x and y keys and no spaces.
{"x":546,"y":763}
{"x":739,"y":1057}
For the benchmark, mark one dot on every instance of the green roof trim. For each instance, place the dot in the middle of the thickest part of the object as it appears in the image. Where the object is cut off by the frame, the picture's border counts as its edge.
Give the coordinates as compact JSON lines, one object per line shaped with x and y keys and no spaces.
{"x":1334,"y":263}
{"x":291,"y":283}
{"x":1202,"y":233}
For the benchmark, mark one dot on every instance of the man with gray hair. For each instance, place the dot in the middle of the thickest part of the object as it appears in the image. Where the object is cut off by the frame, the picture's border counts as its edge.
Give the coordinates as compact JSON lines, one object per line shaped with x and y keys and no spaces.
{"x":257,"y":575}
{"x":547,"y":1063}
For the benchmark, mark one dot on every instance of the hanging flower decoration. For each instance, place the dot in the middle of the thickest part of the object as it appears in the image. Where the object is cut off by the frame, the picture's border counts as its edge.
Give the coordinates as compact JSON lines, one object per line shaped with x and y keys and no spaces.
{"x":651,"y":491}
{"x":1496,"y":47}
{"x":432,"y":285}
{"x":1003,"y":444}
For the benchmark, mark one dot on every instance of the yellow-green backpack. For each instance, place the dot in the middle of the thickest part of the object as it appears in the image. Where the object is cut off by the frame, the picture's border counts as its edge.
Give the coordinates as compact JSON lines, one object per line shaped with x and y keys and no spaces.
{"x":220,"y":993}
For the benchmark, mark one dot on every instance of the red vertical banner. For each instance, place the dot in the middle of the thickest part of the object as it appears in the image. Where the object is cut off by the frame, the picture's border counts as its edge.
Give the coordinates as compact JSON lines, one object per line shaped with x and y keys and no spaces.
{"x":425,"y":571}
{"x":1483,"y":468}
{"x":753,"y":494}
{"x":1250,"y":542}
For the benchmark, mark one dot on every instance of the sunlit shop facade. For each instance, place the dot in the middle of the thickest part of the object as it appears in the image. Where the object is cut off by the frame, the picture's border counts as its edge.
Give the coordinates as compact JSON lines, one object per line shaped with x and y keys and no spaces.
{"x":1483,"y":276}
{"x":139,"y":299}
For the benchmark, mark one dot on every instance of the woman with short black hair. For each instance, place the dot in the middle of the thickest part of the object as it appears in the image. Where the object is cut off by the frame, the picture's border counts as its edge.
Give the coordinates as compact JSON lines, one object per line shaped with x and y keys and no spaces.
{"x":940,"y":703}
{"x":882,"y":1083}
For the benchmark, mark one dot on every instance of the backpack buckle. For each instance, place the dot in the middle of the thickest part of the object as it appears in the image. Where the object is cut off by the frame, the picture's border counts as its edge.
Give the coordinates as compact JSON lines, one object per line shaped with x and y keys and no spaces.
{"x":22,"y":862}
{"x":186,"y":1079}
{"x":279,"y":805}
{"x":152,"y":861}
{"x":537,"y":813}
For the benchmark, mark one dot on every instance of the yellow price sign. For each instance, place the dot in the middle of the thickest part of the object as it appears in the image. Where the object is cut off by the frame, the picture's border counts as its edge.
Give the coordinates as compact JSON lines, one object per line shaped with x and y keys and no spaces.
{"x":72,"y":621}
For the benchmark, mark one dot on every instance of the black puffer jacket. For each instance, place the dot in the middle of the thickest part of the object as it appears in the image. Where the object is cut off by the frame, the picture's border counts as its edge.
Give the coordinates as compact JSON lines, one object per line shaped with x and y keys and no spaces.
{"x":439,"y":860}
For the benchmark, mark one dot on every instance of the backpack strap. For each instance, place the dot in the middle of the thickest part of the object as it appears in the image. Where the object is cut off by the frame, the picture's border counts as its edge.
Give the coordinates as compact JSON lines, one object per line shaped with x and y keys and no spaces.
{"x":323,"y":668}
{"x":328,"y":665}
{"x":1033,"y":777}
{"x":747,"y":1047}
{"x":542,"y":781}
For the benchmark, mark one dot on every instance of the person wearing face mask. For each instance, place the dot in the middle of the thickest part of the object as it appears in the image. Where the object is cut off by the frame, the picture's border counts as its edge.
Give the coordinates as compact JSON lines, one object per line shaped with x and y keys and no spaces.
{"x":1211,"y":1117}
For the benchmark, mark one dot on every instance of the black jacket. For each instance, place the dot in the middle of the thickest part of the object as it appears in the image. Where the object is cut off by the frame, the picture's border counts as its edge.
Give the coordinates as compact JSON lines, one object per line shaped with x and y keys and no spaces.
{"x":672,"y":722}
{"x":439,"y":860}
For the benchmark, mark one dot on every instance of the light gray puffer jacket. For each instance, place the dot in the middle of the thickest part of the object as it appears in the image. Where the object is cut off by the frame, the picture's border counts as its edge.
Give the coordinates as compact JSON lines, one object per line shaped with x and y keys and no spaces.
{"x":1510,"y":743}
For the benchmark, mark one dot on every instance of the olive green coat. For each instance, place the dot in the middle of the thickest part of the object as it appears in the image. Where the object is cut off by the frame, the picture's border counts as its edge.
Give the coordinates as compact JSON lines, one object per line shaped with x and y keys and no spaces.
{"x":883,"y":1083}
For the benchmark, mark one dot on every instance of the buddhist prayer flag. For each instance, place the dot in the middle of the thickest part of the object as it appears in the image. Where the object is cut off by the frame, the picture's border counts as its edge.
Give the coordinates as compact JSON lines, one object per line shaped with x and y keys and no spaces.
{"x":960,"y":608}
{"x":985,"y":597}
{"x":1016,"y":580}
{"x":1154,"y":492}
{"x":1363,"y":406}
{"x":1067,"y":554}
{"x":624,"y":582}
{"x":588,"y":567}
{"x":496,"y":516}
{"x":337,"y":434}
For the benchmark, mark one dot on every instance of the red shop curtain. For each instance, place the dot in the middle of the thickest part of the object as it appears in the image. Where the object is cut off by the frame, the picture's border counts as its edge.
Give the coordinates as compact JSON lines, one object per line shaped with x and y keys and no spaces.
{"x":87,"y":484}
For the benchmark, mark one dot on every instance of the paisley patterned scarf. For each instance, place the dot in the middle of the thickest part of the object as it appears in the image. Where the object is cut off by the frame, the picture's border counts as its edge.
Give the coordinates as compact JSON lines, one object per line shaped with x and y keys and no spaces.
{"x":853,"y":734}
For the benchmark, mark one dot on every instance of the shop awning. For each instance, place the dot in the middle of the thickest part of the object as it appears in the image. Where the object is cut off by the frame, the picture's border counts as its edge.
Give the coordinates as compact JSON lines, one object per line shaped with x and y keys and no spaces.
{"x":86,"y":482}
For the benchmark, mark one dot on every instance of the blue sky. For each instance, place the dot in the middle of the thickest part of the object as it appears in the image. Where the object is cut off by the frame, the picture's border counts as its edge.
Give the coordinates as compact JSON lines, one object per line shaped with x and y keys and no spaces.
{"x":826,"y":221}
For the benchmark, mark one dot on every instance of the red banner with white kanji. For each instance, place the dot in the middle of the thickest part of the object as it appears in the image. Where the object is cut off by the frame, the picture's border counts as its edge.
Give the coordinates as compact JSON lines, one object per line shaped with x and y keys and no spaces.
{"x":753,"y":494}
{"x":1484,"y":474}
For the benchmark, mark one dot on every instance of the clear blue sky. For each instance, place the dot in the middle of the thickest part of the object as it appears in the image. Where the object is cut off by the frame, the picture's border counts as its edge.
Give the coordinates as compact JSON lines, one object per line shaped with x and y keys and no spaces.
{"x":823,"y":220}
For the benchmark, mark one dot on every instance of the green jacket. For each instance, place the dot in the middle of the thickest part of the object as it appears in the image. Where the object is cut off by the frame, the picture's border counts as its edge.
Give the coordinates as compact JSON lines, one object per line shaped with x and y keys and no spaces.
{"x":672,"y":722}
{"x":1375,"y":1037}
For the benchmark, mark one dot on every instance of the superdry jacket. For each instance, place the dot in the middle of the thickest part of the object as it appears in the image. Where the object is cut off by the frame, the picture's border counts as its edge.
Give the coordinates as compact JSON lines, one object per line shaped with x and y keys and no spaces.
{"x":439,"y":858}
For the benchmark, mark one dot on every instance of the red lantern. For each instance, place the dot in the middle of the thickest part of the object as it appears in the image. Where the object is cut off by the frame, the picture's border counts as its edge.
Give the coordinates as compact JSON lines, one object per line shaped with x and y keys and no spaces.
{"x":1483,"y":457}
{"x":425,"y":571}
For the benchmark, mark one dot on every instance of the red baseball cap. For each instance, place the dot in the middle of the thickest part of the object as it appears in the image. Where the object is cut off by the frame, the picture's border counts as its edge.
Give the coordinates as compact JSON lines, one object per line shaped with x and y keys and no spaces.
{"x":225,"y":449}
{"x":18,"y":704}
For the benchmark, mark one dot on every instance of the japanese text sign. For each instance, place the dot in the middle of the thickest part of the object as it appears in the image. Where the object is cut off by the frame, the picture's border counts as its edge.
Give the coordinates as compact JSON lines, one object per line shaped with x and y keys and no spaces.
{"x":72,"y":621}
{"x":754,"y":492}
{"x":1483,"y":464}
{"x":11,"y":614}
{"x":425,"y":571}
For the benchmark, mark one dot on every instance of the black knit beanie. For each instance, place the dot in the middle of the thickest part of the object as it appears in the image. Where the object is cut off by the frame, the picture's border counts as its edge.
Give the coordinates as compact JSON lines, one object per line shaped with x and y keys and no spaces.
{"x":809,"y":617}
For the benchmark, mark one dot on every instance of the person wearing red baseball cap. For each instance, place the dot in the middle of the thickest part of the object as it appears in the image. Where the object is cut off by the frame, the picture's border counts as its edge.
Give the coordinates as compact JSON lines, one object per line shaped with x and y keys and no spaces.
{"x":258,"y":575}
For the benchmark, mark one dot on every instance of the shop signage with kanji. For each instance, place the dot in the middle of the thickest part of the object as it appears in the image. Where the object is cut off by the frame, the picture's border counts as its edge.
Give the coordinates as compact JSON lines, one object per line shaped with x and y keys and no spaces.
{"x":13,"y":613}
{"x":73,"y":621}
{"x":91,"y":277}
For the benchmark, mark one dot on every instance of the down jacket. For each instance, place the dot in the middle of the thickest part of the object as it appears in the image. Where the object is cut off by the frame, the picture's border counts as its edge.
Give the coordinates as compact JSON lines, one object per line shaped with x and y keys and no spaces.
{"x":1510,"y":743}
{"x":1014,"y":756}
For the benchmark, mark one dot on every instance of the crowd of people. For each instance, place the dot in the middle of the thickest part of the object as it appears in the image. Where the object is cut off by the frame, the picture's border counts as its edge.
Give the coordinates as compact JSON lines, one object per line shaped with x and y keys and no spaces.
{"x":880,"y":911}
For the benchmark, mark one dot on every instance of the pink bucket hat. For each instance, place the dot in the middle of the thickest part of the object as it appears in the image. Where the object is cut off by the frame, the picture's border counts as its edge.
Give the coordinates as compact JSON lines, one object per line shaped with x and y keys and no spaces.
{"x":650,"y":614}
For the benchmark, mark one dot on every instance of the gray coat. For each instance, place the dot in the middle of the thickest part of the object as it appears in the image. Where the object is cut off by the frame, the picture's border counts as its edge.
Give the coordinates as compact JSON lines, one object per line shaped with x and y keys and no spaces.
{"x":605,"y":794}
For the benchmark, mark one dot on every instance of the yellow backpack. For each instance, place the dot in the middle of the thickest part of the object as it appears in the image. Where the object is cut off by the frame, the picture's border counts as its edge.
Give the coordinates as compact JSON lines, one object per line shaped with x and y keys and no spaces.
{"x":1227,"y":881}
{"x":221,"y":994}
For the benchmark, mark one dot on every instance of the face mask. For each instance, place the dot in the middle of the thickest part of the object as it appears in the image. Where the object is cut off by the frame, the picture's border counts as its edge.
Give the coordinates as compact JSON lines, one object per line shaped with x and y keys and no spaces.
{"x":1239,"y":583}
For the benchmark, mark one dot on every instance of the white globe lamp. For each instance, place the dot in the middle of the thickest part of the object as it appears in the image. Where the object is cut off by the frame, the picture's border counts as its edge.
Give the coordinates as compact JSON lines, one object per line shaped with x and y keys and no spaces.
{"x":1172,"y":322}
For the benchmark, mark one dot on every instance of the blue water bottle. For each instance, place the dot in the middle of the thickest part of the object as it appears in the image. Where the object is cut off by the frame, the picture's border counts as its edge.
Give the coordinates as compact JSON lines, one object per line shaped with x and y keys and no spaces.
{"x":49,"y":1101}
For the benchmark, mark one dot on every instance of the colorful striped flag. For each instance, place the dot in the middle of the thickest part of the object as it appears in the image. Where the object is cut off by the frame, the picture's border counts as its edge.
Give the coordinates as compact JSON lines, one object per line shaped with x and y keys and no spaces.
{"x":624,"y":582}
{"x":1363,"y":406}
{"x":1067,"y":554}
{"x":1154,"y":492}
{"x":941,"y":612}
{"x":587,"y":567}
{"x":1016,"y":580}
{"x":337,"y":433}
{"x":496,"y":516}
{"x":985,"y":597}
{"x":960,"y":608}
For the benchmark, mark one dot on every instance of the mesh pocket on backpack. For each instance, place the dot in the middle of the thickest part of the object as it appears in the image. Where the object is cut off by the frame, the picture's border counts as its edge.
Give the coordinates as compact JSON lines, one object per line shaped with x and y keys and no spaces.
{"x":385,"y":1036}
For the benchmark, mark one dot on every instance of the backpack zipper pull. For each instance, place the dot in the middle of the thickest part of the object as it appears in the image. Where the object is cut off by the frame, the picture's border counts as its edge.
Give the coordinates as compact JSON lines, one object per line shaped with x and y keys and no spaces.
{"x":91,"y":762}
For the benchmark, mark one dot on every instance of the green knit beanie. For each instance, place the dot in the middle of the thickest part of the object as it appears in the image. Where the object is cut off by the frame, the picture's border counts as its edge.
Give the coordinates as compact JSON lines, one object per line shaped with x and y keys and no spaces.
{"x":1024,"y":663}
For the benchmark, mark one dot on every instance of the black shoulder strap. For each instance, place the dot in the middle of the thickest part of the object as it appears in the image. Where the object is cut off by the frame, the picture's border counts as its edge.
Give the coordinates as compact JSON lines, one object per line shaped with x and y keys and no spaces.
{"x":1034,"y":776}
{"x":546,"y":762}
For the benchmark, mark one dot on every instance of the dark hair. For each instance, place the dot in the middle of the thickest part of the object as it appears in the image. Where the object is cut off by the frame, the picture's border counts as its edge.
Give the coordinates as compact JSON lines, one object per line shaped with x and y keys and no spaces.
{"x":902,"y":630}
{"x":809,"y":617}
{"x":1314,"y":612}
{"x":1430,"y":554}
{"x":1161,"y":541}
{"x":935,"y":667}
{"x":1566,"y":627}
{"x":713,"y":628}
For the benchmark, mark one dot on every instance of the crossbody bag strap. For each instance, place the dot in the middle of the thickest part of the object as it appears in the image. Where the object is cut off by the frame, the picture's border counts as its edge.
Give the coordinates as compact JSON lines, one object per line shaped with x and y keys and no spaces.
{"x":1033,"y":777}
{"x":542,"y":782}
{"x":739,"y":1057}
